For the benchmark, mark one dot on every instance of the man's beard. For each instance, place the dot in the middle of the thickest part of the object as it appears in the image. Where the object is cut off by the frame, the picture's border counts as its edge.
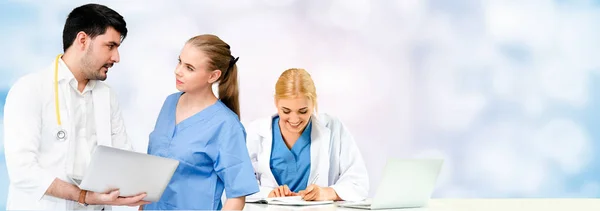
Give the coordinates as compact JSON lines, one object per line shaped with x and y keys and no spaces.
{"x":91,"y":71}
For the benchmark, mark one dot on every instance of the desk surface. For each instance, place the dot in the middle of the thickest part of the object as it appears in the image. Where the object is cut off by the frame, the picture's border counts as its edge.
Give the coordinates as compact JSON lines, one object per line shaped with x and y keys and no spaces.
{"x":464,"y":205}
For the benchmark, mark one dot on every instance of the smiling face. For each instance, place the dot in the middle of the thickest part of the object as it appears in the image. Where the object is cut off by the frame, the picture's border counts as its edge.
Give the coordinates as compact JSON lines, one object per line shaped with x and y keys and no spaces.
{"x":294,"y":113}
{"x":295,"y":99}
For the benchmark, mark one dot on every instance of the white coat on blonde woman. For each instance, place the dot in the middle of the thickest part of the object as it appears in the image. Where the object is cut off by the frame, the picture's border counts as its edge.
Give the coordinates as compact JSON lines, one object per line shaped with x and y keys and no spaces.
{"x":336,"y":161}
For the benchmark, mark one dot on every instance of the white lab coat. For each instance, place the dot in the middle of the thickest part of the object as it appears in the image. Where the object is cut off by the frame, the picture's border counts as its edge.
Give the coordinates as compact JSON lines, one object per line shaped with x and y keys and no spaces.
{"x":34,"y":157}
{"x":335,"y":159}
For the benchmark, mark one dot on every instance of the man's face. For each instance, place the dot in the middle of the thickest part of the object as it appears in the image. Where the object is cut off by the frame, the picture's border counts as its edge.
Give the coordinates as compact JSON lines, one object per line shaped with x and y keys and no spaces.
{"x":101,"y":53}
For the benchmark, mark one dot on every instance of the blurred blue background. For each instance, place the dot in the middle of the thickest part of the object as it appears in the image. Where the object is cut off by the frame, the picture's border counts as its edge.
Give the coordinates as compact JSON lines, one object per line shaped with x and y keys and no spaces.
{"x":505,"y":91}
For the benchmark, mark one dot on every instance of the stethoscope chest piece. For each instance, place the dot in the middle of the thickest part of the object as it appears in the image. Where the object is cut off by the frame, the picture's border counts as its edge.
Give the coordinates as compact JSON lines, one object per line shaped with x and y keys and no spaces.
{"x":61,"y":134}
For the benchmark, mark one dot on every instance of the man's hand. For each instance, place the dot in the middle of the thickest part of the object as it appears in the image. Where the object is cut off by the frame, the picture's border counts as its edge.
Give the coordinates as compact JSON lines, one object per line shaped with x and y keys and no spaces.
{"x":113,"y":198}
{"x":281,"y":191}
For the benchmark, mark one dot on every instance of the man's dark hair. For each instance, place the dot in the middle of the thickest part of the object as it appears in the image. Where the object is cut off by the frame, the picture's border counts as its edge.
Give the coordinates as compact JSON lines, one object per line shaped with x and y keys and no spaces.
{"x":93,"y":19}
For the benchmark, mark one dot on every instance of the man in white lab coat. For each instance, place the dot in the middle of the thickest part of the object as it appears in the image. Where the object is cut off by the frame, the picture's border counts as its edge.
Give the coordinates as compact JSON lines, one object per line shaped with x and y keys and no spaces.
{"x":54,"y":118}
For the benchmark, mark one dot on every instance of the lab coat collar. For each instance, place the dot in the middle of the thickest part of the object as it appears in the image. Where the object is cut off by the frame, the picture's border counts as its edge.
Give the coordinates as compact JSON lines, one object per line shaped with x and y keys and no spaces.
{"x":64,"y":73}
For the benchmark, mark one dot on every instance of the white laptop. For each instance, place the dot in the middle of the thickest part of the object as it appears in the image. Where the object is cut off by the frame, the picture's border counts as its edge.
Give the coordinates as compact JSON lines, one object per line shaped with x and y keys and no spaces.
{"x":406,"y":183}
{"x":130,"y":172}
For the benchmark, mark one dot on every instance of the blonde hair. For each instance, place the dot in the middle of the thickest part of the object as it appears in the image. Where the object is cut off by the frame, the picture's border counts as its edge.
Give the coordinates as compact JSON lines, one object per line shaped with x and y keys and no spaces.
{"x":296,"y":82}
{"x":221,"y":59}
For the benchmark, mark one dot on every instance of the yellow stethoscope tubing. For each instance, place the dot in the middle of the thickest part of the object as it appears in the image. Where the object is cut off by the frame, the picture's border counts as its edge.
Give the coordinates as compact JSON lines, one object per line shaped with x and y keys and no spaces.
{"x":58,"y":121}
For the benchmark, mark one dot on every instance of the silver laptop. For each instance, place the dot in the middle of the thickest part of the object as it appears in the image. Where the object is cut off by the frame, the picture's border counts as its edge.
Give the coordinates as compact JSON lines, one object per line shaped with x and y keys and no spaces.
{"x":406,"y":183}
{"x":130,"y":172}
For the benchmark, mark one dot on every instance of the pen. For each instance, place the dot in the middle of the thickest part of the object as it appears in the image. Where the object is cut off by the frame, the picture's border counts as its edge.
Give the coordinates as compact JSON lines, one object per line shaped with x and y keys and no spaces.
{"x":314,"y":180}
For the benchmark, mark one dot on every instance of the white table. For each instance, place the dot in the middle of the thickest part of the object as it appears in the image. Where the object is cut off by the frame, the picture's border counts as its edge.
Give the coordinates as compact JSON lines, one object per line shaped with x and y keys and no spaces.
{"x":463,"y":205}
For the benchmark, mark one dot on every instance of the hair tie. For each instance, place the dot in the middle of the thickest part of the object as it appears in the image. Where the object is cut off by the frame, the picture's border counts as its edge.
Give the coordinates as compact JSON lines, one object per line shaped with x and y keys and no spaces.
{"x":232,"y":62}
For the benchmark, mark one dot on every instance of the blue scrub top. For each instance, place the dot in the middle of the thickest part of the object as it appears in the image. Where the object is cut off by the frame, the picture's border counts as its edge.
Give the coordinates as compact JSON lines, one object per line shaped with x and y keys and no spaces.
{"x":212,"y":154}
{"x":291,"y":167}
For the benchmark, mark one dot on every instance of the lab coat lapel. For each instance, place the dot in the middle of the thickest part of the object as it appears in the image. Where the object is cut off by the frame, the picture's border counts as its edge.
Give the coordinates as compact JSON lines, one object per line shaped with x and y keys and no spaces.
{"x":319,"y":154}
{"x":102,"y":114}
{"x":266,"y":133}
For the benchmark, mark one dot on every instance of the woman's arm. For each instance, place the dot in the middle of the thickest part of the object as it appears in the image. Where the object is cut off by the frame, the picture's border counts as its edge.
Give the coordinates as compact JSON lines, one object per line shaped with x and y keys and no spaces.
{"x":353,"y":183}
{"x":233,"y":166}
{"x":235,"y":203}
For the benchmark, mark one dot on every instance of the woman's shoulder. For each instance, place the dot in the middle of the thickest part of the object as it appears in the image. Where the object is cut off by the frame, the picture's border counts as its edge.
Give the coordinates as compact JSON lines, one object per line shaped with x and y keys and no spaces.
{"x":226,"y":116}
{"x":260,"y":124}
{"x":329,"y":120}
{"x":265,"y":120}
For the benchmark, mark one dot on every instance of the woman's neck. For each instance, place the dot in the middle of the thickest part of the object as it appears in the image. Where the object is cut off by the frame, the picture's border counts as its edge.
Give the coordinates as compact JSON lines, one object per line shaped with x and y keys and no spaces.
{"x":191,"y":103}
{"x":199,"y":99}
{"x":289,"y":138}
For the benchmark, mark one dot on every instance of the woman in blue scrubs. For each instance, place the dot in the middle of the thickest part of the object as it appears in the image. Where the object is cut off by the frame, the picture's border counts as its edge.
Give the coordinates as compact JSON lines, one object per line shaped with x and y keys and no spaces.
{"x":300,"y":152}
{"x":203,"y":132}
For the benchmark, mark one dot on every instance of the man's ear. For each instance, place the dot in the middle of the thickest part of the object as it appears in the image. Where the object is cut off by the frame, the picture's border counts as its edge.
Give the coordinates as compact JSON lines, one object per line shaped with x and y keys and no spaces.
{"x":81,"y":41}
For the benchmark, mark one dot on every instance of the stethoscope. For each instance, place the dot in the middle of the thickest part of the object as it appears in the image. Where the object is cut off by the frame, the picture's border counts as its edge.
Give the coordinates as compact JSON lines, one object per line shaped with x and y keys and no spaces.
{"x":61,"y":133}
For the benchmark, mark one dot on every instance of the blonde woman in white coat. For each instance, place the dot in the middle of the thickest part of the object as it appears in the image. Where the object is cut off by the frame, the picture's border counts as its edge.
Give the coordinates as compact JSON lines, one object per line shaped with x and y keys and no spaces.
{"x":299,"y":152}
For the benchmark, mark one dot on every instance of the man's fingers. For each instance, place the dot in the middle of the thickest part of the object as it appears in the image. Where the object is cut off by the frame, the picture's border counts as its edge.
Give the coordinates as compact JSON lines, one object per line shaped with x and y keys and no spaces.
{"x":140,"y":196}
{"x":142,"y":202}
{"x":125,"y":201}
{"x":139,"y":203}
{"x":286,"y":189}
{"x":128,"y":200}
{"x":131,"y":200}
